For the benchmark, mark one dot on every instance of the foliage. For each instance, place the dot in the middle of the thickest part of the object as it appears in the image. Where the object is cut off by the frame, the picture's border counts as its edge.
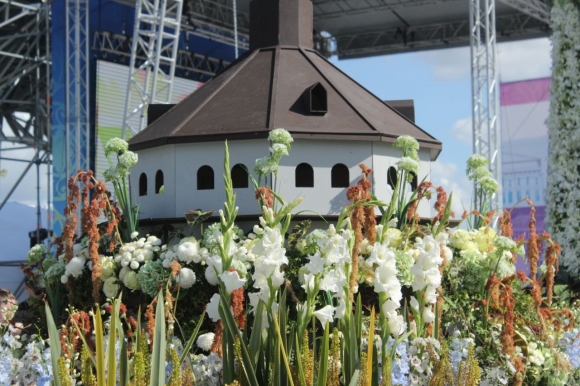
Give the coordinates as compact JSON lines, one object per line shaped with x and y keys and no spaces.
{"x":364,"y":302}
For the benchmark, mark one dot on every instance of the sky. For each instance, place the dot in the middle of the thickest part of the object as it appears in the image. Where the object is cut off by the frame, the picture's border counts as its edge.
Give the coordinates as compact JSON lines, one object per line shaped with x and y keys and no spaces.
{"x":438,"y":81}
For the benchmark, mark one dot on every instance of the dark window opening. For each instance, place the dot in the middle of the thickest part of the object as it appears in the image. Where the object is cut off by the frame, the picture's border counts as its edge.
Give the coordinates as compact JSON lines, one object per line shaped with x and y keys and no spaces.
{"x":143,"y":184}
{"x":159,"y":182}
{"x":304,"y":176}
{"x":205,"y":178}
{"x":339,"y":176}
{"x":392,"y":177}
{"x":414,"y":181}
{"x":239,"y":176}
{"x":318,"y":101}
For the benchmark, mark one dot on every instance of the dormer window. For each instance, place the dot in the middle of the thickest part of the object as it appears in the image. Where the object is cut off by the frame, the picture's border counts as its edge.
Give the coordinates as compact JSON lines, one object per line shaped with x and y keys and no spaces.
{"x":239,"y":176}
{"x":339,"y":176}
{"x":315,"y":99}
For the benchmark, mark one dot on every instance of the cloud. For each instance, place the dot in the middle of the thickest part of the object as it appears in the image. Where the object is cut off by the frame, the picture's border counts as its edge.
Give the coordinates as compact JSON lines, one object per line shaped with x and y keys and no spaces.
{"x":452,"y":178}
{"x":462,"y":130}
{"x":448,"y":64}
{"x":521,"y":60}
{"x":526,"y":59}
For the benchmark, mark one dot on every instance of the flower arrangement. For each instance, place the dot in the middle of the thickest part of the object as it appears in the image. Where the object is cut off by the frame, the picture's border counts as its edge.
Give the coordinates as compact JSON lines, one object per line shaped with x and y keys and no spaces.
{"x":564,"y":123}
{"x":368,"y":300}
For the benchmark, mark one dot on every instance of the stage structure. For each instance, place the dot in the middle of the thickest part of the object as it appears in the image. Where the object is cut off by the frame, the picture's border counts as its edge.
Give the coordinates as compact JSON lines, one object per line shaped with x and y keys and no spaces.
{"x":25,"y":92}
{"x":208,"y":34}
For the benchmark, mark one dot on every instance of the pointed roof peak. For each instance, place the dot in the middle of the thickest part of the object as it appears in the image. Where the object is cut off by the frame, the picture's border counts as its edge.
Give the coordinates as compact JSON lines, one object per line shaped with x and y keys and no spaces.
{"x":281,"y":22}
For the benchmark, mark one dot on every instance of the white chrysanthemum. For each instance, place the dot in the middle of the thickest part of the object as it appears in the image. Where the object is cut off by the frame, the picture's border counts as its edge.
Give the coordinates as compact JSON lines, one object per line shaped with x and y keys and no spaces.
{"x":115,"y":146}
{"x":186,"y":278}
{"x":205,"y":341}
{"x":188,"y":252}
{"x":130,"y":280}
{"x":111,"y":287}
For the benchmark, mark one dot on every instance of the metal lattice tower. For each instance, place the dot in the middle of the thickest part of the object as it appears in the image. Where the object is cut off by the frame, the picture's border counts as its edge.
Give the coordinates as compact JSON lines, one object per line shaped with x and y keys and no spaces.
{"x":484,"y":85}
{"x":77,"y":88}
{"x":156,"y":37}
{"x":25,"y":92}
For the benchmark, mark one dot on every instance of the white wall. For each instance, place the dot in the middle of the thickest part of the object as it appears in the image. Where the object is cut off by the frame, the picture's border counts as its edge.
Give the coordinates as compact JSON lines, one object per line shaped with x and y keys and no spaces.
{"x":190,"y":157}
{"x":150,"y":160}
{"x":322,"y":156}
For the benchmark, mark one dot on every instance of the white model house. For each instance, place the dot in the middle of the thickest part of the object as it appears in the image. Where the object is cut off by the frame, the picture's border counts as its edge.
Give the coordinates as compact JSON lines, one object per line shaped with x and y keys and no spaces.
{"x":281,"y":82}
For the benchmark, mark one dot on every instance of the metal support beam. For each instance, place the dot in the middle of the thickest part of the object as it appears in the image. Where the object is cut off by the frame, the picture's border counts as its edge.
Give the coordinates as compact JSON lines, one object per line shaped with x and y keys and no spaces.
{"x":77,"y":126}
{"x":433,"y":36}
{"x":485,"y":93}
{"x":534,"y":8}
{"x":157,"y":28}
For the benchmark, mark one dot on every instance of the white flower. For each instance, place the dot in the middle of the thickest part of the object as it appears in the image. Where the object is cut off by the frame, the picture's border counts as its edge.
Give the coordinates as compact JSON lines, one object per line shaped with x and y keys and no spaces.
{"x":115,"y":146}
{"x":75,"y":267}
{"x":408,"y":164}
{"x":111,"y":287}
{"x":205,"y":341}
{"x":128,"y":159}
{"x":232,"y":281}
{"x":414,"y":303}
{"x":188,"y":252}
{"x":134,"y":235}
{"x":428,"y":315}
{"x":130,"y":280}
{"x":212,"y":308}
{"x":280,"y":136}
{"x":325,"y":315}
{"x":186,"y":278}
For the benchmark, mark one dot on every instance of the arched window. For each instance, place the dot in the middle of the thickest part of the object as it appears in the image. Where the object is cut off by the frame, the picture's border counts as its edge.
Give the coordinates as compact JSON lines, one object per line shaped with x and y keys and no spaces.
{"x":205,"y":178}
{"x":392,"y":177}
{"x":339,"y":176}
{"x":159,"y":182}
{"x":414,"y":181}
{"x":304,"y":176}
{"x":143,"y":184}
{"x":239,"y":176}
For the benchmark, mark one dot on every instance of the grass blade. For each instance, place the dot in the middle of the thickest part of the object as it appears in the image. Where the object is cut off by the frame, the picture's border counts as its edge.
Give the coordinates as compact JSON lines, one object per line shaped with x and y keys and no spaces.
{"x":99,"y":347}
{"x":189,"y":344}
{"x":323,"y":361}
{"x":54,"y":339}
{"x":371,"y":344}
{"x":158,"y":355}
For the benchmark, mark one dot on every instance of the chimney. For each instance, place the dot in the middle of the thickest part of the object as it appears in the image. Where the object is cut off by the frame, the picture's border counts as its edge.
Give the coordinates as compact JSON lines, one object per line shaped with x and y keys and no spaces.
{"x":281,"y":22}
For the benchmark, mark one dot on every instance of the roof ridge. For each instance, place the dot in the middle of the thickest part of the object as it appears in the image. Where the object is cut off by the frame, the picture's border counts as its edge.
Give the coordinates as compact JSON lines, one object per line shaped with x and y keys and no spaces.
{"x":273,"y":89}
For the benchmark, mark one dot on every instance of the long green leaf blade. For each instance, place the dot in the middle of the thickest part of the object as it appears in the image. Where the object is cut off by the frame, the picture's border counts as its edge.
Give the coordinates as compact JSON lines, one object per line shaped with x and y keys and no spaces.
{"x":55,"y":350}
{"x":158,"y":355}
{"x":323,"y":361}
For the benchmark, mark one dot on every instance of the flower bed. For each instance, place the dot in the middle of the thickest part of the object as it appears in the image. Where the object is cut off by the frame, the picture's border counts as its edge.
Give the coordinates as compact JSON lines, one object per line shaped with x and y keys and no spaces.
{"x":388,"y":300}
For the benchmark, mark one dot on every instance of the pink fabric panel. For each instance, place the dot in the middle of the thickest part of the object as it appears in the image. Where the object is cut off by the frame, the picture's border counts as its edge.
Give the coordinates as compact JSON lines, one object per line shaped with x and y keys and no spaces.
{"x":527,"y":91}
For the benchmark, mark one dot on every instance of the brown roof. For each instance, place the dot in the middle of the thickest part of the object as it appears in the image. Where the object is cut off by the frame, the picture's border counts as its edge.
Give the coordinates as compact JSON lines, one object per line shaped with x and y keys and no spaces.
{"x":270,"y":87}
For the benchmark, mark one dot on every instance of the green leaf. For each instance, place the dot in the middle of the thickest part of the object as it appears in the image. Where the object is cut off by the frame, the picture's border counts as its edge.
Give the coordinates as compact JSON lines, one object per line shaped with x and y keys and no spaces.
{"x":159,"y":345}
{"x":55,"y":349}
{"x":354,"y":379}
{"x":99,"y":347}
{"x":111,"y":349}
{"x":323,"y":361}
{"x":230,"y":324}
{"x":189,"y":344}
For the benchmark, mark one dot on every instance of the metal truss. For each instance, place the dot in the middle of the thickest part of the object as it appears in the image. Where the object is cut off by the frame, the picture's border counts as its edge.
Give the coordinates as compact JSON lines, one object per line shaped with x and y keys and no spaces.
{"x":216,"y":13}
{"x":156,"y":35}
{"x":328,"y":9}
{"x":485,"y":93}
{"x":188,"y":64}
{"x":25,"y":90}
{"x":534,"y":8}
{"x":433,"y":36}
{"x":77,"y":105}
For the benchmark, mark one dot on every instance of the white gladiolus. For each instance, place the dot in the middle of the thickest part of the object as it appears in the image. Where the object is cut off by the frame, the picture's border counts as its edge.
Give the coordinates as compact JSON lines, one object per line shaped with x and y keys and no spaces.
{"x":212,"y":308}
{"x":325,"y":315}
{"x":232,"y":281}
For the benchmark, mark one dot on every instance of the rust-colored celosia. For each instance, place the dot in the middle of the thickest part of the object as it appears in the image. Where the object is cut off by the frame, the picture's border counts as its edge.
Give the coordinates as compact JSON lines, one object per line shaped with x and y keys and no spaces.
{"x":264,"y":194}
